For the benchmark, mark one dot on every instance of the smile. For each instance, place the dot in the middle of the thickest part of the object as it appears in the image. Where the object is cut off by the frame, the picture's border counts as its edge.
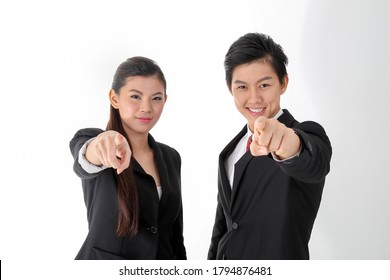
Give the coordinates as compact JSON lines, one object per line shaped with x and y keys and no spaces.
{"x":256,"y":110}
{"x":145,"y":120}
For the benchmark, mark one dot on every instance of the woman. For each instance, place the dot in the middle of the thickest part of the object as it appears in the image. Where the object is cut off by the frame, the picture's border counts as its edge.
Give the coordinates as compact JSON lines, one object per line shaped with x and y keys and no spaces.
{"x":131,"y":183}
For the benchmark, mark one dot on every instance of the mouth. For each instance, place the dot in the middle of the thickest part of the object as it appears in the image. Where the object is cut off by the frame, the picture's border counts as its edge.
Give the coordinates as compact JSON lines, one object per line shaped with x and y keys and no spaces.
{"x":256,"y":111}
{"x":144,"y":119}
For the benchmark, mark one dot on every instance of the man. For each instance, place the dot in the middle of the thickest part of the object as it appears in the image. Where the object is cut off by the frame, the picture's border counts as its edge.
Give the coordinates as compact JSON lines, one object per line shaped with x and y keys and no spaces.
{"x":268,"y":194}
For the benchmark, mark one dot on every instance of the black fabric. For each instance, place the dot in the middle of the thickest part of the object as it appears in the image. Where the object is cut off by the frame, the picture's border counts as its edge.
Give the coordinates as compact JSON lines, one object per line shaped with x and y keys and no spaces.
{"x":160,"y":233}
{"x":270,"y":210}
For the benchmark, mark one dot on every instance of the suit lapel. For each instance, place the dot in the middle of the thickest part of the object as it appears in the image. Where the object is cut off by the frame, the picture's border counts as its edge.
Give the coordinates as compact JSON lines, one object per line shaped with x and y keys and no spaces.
{"x":239,"y":169}
{"x":162,"y":169}
{"x":226,"y":188}
{"x":224,"y":181}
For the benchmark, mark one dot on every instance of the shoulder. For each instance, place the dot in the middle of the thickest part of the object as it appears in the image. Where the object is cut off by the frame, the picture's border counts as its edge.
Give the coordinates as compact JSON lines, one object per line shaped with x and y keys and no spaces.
{"x":88,"y":132}
{"x":311,"y":127}
{"x":169,"y":153}
{"x":167,"y":149}
{"x":306,"y":126}
{"x":307,"y":130}
{"x":312,"y":135}
{"x":163,"y":148}
{"x":83,"y":135}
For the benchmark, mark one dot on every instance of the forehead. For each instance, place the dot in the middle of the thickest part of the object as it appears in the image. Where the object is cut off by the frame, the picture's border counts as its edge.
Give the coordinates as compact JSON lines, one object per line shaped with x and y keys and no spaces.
{"x":253,"y":70}
{"x":144,"y":83}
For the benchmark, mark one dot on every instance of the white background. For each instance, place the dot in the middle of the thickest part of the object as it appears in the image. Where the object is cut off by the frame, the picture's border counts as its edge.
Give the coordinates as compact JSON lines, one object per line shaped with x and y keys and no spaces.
{"x":57,"y":60}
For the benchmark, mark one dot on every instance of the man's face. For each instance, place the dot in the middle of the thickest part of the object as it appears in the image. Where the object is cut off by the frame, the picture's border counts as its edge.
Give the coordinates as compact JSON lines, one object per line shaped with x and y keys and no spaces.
{"x":256,"y":90}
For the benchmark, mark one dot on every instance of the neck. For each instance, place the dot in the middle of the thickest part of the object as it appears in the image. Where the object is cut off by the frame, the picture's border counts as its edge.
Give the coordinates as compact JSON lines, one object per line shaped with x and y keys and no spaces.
{"x":139,"y":142}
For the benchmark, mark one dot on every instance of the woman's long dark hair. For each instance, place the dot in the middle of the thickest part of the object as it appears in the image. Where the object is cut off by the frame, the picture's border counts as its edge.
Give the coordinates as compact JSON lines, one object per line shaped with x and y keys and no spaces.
{"x":128,"y":204}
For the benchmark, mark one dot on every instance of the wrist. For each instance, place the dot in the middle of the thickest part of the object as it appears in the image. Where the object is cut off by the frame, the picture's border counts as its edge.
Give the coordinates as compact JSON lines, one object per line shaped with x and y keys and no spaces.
{"x":291,"y":147}
{"x":90,"y":153}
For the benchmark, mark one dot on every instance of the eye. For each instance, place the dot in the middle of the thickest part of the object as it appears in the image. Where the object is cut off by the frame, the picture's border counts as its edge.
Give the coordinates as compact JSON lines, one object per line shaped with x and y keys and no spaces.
{"x":135,"y":97}
{"x":264,"y":85}
{"x":242,"y":87}
{"x":157,"y":98}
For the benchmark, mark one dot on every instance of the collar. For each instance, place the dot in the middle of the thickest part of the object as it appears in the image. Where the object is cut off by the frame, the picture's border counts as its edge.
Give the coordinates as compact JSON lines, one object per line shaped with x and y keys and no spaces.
{"x":278,"y":114}
{"x":156,"y":151}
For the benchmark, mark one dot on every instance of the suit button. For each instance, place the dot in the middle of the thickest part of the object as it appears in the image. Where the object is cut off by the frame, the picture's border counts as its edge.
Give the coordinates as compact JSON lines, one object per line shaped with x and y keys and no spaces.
{"x":235,"y":226}
{"x":153,"y":229}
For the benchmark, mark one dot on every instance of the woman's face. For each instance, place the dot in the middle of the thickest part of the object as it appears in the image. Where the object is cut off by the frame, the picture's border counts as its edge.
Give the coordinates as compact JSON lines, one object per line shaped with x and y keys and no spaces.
{"x":140,"y":103}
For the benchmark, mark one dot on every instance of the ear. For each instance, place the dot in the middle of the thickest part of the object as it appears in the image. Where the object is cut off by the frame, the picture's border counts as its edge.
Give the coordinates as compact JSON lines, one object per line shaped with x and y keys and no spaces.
{"x":113,"y":99}
{"x":166,"y":98}
{"x":284,"y":85}
{"x":229,"y":87}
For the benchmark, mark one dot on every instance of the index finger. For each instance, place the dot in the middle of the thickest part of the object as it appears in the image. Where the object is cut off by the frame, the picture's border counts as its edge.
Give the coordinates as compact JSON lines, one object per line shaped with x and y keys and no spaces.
{"x":124,"y":160}
{"x":112,"y":157}
{"x":260,"y":123}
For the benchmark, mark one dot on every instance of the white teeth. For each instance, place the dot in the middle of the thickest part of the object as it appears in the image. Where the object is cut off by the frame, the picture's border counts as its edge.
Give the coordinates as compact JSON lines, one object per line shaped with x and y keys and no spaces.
{"x":256,"y":110}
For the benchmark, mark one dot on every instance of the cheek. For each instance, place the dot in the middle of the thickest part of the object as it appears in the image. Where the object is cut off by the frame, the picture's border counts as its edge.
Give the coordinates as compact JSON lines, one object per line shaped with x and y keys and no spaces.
{"x":273,"y":98}
{"x":131,"y":104}
{"x":128,"y":108}
{"x":239,"y":99}
{"x":158,"y":108}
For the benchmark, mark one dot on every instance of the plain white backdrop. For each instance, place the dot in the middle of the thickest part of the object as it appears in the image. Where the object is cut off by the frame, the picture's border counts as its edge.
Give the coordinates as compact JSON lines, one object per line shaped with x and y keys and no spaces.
{"x":57,"y":60}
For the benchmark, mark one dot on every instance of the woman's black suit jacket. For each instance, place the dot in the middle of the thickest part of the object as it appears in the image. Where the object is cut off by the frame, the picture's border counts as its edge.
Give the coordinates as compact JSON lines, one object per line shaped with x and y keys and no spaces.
{"x":160,"y":233}
{"x":270,"y":210}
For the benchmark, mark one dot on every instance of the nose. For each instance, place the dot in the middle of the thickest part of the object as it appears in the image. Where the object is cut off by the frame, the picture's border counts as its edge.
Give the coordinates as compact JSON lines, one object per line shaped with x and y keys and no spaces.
{"x":255,"y":95}
{"x":145,"y":106}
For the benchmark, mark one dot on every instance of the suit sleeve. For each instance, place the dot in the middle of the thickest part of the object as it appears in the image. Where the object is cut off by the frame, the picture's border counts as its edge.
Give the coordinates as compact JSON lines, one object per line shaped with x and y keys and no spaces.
{"x":82,"y":136}
{"x":218,"y":231}
{"x":313,"y":164}
{"x":178,"y":243}
{"x":177,"y":227}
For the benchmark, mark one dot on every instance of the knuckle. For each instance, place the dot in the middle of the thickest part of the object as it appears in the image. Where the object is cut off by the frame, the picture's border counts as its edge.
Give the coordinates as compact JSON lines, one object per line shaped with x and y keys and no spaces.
{"x":281,"y":151}
{"x":273,"y":147}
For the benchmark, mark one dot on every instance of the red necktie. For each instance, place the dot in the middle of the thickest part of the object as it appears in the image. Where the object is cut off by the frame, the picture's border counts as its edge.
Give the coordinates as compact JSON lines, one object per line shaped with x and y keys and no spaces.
{"x":248,"y":144}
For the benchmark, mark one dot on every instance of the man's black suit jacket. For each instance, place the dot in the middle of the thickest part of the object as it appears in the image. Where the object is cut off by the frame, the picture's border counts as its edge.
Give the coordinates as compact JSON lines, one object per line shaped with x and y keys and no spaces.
{"x":270,"y":210}
{"x":160,"y":233}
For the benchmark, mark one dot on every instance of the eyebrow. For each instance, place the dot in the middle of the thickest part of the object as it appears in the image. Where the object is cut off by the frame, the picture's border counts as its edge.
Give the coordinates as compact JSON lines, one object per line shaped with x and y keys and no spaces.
{"x":258,"y":81}
{"x":136,"y":90}
{"x":141,"y":93}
